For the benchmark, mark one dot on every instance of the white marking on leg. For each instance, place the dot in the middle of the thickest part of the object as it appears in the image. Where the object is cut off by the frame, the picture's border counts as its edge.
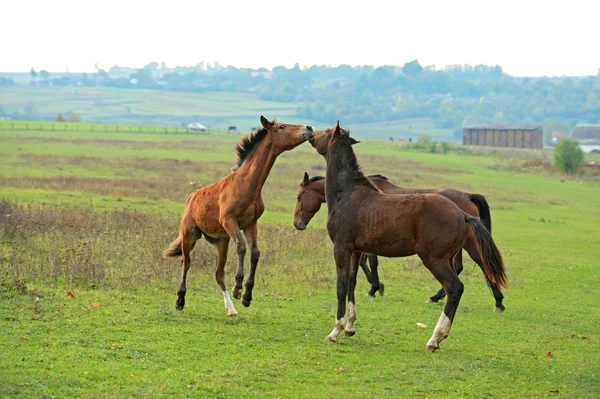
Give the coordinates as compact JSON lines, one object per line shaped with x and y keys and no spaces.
{"x":351,"y":318}
{"x":228,"y":304}
{"x":441,"y":331}
{"x":337,"y":329}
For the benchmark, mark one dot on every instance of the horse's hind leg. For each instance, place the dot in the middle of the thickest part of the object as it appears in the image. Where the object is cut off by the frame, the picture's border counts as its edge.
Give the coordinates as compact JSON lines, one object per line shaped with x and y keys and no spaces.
{"x":363,"y":265}
{"x":252,"y":236}
{"x":222,"y":245}
{"x":444,"y":273}
{"x":458,"y":267}
{"x":189,"y":237}
{"x":474,"y":254}
{"x":376,"y":285}
{"x":233,"y":230}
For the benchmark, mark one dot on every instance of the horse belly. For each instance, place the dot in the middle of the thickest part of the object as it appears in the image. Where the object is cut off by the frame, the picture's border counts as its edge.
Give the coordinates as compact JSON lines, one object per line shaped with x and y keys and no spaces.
{"x":379,"y":237}
{"x":211,"y":226}
{"x":384,"y":247}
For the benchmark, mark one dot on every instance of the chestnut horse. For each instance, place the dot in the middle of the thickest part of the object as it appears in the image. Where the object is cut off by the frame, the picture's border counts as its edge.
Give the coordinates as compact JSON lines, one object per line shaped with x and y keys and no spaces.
{"x":312,"y":194}
{"x":362,"y":219}
{"x":222,"y":210}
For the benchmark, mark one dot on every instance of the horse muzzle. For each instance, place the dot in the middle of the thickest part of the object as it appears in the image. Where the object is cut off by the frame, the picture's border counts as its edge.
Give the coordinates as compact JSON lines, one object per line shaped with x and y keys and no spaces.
{"x":299,"y":224}
{"x":307,"y":133}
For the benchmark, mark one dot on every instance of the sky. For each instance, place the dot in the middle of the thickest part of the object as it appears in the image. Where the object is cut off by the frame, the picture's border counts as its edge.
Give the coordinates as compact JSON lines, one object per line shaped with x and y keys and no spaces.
{"x":526,"y":38}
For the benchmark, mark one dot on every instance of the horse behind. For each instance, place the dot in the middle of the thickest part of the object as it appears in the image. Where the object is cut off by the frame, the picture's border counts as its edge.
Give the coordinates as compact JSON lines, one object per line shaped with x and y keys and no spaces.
{"x":311,"y":196}
{"x":362,"y":219}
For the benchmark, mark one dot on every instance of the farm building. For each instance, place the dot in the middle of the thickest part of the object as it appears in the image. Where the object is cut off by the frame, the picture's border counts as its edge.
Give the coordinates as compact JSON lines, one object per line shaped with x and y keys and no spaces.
{"x":586,"y":134}
{"x":516,"y":136}
{"x":588,"y":137}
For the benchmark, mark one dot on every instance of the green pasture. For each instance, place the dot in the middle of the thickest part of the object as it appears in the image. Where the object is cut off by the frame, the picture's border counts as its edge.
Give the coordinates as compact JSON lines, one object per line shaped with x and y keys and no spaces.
{"x":155,"y":109}
{"x":87,"y":303}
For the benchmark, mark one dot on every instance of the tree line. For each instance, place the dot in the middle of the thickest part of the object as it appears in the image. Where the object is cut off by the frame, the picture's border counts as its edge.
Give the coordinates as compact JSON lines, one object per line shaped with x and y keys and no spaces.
{"x":452,"y":97}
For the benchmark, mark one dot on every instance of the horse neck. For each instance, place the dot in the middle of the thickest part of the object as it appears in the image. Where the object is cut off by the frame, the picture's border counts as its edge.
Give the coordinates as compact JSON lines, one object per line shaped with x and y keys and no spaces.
{"x":256,"y":168}
{"x":339,"y":177}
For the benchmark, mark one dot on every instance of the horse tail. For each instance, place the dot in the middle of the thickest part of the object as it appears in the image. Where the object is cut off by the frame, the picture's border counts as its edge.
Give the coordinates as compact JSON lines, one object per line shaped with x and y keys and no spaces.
{"x":174,"y":249}
{"x":484,"y":210}
{"x":489,"y":252}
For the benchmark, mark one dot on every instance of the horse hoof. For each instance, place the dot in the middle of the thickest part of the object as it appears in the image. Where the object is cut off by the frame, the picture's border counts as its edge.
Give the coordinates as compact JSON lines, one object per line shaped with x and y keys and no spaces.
{"x":236,"y":294}
{"x":431,"y":348}
{"x":430,"y":301}
{"x":499,"y":309}
{"x":329,"y":339}
{"x":381,"y":289}
{"x":232,"y":313}
{"x":179,"y":304}
{"x":369,"y":295}
{"x":246,"y":302}
{"x":349,"y":333}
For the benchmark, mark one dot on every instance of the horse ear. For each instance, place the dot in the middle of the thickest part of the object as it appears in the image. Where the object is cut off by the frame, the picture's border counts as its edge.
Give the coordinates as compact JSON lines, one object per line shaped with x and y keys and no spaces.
{"x":265,"y":122}
{"x":353,"y":141}
{"x":306,"y":179}
{"x":336,"y":128}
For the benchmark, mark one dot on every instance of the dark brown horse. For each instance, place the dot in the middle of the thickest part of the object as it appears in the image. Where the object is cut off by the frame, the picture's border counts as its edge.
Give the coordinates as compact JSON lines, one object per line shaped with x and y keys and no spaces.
{"x":312,"y":194}
{"x":222,"y":210}
{"x":362,"y":219}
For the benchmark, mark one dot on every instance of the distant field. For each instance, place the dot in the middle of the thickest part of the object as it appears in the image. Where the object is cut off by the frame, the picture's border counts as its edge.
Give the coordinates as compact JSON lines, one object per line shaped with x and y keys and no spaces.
{"x":216,"y":110}
{"x":90,"y":212}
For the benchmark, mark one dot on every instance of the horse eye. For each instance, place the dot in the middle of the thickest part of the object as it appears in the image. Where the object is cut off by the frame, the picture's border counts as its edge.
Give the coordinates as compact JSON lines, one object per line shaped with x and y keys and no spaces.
{"x":298,"y":198}
{"x":282,"y":127}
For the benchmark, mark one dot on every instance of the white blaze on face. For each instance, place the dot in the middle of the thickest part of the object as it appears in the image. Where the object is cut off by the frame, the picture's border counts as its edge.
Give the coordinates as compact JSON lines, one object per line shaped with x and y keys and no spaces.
{"x":228,"y":304}
{"x":441,"y":331}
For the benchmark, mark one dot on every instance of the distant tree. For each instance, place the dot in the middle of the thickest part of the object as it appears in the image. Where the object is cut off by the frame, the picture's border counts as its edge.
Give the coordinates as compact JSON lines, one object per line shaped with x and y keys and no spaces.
{"x":424,"y":140}
{"x":6,"y":82}
{"x":568,"y":156}
{"x":102,"y":74}
{"x":44,"y":75}
{"x":153,"y":66}
{"x":143,"y":77}
{"x":412,"y":68}
{"x":2,"y":113}
{"x":592,"y":99}
{"x":30,"y":111}
{"x":33,"y":73}
{"x":73,"y":117}
{"x":499,"y":117}
{"x":59,"y":117}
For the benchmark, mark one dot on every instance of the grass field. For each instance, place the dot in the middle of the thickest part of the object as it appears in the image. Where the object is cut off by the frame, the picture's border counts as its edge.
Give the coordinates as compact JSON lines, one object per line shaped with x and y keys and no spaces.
{"x":216,"y":110}
{"x":87,"y":302}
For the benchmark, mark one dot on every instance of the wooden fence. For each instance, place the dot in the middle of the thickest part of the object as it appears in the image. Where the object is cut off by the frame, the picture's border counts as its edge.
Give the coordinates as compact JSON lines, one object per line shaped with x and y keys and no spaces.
{"x":104,"y":128}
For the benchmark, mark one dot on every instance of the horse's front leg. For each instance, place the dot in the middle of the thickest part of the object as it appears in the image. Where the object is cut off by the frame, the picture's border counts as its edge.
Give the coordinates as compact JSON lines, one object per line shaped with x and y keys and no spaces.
{"x":342,"y":263}
{"x":232,"y":228}
{"x":251,"y":236}
{"x":354,"y":261}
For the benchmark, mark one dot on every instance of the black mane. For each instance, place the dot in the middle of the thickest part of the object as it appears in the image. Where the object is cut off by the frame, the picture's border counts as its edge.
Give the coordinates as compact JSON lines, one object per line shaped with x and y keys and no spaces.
{"x":247,"y":144}
{"x":379,"y":177}
{"x":350,"y":162}
{"x":315,"y":178}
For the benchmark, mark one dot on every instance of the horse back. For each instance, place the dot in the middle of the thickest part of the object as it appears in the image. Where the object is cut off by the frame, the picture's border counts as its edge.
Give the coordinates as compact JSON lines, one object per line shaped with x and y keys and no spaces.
{"x":460,"y":198}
